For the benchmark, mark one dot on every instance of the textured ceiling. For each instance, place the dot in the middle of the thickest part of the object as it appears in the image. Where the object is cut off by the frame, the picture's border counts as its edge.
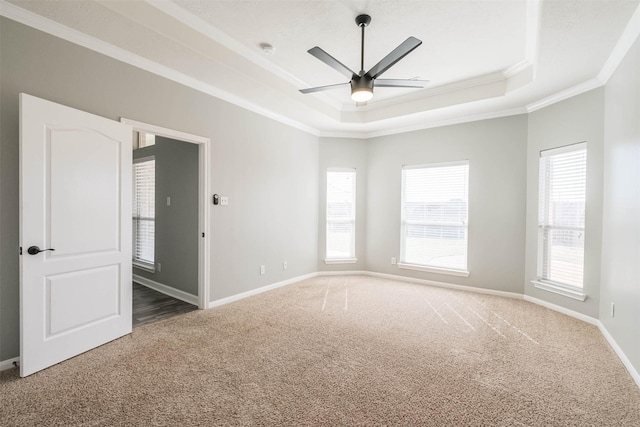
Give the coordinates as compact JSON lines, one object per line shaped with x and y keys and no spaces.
{"x":482,"y":58}
{"x":455,"y":36}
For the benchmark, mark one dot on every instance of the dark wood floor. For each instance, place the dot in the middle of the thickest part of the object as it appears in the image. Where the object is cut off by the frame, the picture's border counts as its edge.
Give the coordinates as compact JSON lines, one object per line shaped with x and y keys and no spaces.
{"x":150,"y":306}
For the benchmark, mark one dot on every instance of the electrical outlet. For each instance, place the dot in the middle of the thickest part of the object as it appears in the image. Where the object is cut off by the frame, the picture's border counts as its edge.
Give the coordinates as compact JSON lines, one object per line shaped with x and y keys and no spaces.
{"x":393,"y":260}
{"x":262,"y":269}
{"x":613,"y":309}
{"x":224,"y":200}
{"x":158,"y":267}
{"x":284,"y":265}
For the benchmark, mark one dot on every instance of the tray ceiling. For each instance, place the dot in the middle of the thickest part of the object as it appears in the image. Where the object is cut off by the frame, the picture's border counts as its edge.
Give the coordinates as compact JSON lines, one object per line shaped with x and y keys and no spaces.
{"x":482,"y":58}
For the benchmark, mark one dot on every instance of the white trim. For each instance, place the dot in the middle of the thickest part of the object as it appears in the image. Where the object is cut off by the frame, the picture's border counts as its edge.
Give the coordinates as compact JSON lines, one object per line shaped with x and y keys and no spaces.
{"x":167,"y":290}
{"x":76,"y":37}
{"x":563,"y":310}
{"x":437,"y":165}
{"x":534,"y":8}
{"x":340,"y":260}
{"x":436,"y":270}
{"x":516,"y":68}
{"x":430,"y":125}
{"x":343,"y":273}
{"x":334,"y":169}
{"x":565,"y":94}
{"x":165,"y":132}
{"x":623,"y":357}
{"x":9,"y":363}
{"x":243,"y":295}
{"x":560,"y":290}
{"x":495,"y":78}
{"x":204,"y":172}
{"x":445,"y":285}
{"x":205,"y":28}
{"x":564,"y":149}
{"x":628,"y":37}
{"x":625,"y":42}
{"x":150,"y":267}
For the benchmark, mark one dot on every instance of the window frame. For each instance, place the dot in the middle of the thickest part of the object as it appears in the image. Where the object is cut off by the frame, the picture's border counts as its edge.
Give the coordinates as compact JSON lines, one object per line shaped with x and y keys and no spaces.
{"x":351,"y":258}
{"x":544,"y":225}
{"x":140,"y":263}
{"x":403,"y":223}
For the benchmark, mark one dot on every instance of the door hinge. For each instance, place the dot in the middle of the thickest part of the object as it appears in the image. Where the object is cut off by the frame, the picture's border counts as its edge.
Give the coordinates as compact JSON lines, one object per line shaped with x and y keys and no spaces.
{"x":202,"y":234}
{"x":20,"y":250}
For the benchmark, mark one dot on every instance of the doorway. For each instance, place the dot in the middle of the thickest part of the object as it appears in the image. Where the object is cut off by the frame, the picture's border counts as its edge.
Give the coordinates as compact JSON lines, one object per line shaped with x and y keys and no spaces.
{"x":170,"y":272}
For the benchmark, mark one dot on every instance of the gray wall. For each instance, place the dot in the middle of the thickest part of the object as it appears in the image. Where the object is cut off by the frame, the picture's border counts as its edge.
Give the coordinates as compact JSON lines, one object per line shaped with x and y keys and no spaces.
{"x":620,"y":283}
{"x":268,"y":170}
{"x":274,"y":178}
{"x":577,"y":119}
{"x":344,"y":153}
{"x":177,"y":231}
{"x":496,"y":150}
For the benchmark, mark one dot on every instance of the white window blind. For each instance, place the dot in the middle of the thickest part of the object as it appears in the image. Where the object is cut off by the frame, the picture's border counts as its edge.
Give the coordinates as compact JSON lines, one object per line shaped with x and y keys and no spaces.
{"x":561,"y":213}
{"x":341,"y":213}
{"x":434,"y":216}
{"x":144,"y":188}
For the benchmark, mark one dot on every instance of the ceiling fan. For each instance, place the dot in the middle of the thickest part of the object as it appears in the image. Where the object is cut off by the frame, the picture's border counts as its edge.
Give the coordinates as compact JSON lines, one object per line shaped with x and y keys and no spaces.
{"x":362,"y":84}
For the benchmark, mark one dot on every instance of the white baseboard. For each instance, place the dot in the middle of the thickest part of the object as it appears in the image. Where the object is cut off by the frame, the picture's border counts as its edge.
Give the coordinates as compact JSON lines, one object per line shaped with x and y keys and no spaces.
{"x":9,"y":363}
{"x":445,"y":285}
{"x":167,"y":290}
{"x":563,"y":310}
{"x":343,"y":273}
{"x":257,"y":291}
{"x":623,"y":357}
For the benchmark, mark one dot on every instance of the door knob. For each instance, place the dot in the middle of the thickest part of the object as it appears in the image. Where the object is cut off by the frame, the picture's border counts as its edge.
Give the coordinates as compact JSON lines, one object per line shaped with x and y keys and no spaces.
{"x":34,"y":250}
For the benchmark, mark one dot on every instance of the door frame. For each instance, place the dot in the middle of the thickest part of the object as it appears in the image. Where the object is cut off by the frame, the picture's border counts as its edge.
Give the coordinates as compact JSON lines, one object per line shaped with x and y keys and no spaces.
{"x":203,"y":198}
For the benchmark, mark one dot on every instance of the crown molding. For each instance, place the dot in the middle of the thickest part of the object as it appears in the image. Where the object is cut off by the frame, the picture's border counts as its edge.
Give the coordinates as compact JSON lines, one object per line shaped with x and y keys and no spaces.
{"x":624,"y":44}
{"x":56,"y":29}
{"x":429,"y":125}
{"x":210,"y":31}
{"x":565,"y":94}
{"x":626,"y":41}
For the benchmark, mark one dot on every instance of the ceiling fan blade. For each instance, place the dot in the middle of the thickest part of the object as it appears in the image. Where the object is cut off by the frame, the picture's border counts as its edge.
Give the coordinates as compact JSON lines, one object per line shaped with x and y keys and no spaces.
{"x":400,"y":83}
{"x":321,"y":88}
{"x":396,"y":55}
{"x":331,"y":61}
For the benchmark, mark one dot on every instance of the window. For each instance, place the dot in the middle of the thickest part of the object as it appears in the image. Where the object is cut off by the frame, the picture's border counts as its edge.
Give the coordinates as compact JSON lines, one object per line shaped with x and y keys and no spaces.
{"x":341,"y":215}
{"x":434,"y":218}
{"x":144,"y":188}
{"x":561,"y":212}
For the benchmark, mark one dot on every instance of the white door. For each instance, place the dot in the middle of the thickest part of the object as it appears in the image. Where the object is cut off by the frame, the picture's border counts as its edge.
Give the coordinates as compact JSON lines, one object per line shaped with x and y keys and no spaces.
{"x":75,"y":205}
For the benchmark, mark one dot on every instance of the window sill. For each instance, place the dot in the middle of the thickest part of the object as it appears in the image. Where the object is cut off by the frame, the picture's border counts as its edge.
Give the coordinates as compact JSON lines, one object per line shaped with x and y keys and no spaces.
{"x":560,"y":290}
{"x":146,"y":267}
{"x":340,"y":261}
{"x":436,"y":270}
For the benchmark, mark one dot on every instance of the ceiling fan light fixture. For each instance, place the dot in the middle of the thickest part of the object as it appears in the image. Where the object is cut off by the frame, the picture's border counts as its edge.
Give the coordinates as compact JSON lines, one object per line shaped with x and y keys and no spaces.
{"x":362,"y":94}
{"x":361,"y":88}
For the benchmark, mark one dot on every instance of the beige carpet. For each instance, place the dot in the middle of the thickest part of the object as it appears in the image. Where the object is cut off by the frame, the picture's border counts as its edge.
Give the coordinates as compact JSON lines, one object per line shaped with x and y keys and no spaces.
{"x":340,"y":351}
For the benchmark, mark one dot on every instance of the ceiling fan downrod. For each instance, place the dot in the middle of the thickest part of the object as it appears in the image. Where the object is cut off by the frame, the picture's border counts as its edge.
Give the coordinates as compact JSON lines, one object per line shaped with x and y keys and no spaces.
{"x":362,"y":21}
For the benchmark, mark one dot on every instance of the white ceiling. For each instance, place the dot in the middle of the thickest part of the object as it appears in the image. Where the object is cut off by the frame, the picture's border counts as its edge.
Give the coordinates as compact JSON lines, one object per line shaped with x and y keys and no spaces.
{"x":482,"y":58}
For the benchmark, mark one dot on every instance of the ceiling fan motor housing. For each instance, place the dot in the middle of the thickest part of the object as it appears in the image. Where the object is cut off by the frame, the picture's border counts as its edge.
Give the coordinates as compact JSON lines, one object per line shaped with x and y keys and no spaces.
{"x":363,"y":82}
{"x":362,"y":88}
